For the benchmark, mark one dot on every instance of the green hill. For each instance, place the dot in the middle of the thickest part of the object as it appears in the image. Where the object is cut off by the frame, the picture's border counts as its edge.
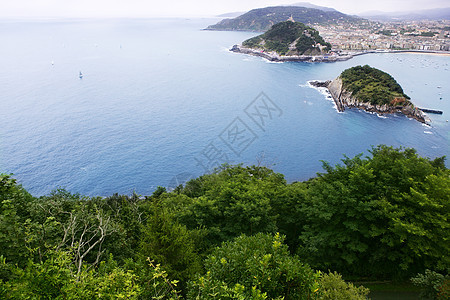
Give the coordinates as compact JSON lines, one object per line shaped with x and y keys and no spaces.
{"x":290,"y":38}
{"x":262,"y":19}
{"x":369,"y":84}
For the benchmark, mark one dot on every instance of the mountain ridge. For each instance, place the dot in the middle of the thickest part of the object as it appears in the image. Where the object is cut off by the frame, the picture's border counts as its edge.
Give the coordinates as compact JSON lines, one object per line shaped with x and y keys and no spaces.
{"x":261,"y":19}
{"x":310,"y":5}
{"x":416,"y":15}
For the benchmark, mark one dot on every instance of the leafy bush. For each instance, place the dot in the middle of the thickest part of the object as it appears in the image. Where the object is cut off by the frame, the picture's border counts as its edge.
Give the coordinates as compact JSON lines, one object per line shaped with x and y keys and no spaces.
{"x":435,"y":285}
{"x":260,"y":264}
{"x":55,"y":278}
{"x":333,"y":287}
{"x":444,"y":290}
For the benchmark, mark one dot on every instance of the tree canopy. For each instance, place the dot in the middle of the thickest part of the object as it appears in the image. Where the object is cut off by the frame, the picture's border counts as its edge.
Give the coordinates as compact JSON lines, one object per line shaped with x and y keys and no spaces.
{"x":369,"y":84}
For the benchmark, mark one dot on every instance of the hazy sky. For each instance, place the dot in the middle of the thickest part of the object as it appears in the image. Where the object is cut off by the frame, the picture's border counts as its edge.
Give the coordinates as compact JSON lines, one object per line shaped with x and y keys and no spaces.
{"x":143,"y":8}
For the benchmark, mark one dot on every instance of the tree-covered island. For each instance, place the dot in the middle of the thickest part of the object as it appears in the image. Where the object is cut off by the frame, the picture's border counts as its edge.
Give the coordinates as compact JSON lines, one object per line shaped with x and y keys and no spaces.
{"x":290,"y":38}
{"x":372,"y":90}
{"x":289,"y":41}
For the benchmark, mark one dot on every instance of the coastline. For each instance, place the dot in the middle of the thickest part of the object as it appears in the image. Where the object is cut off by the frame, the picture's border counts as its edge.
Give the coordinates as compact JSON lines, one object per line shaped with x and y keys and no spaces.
{"x":343,"y":56}
{"x":427,"y":52}
{"x":273,"y":56}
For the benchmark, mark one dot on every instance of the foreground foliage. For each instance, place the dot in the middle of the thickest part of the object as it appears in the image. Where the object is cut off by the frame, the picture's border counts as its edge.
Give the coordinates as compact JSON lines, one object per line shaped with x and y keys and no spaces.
{"x":384,"y":216}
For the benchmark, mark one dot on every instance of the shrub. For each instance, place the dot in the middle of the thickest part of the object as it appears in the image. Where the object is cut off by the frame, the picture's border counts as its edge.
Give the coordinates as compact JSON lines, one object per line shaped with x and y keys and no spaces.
{"x":257,"y":266}
{"x":333,"y":287}
{"x":435,"y":285}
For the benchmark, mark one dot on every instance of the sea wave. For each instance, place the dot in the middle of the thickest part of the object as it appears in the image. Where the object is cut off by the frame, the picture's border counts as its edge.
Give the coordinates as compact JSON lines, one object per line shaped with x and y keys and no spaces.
{"x":270,"y":61}
{"x":324,"y":91}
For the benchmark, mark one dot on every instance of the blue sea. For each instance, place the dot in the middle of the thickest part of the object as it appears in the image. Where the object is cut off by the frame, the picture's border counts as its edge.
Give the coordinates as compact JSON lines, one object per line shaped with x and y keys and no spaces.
{"x":161,"y":101}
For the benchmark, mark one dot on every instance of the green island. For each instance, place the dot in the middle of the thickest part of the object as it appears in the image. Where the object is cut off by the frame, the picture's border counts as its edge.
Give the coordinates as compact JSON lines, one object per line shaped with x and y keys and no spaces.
{"x":289,"y":41}
{"x":372,"y":90}
{"x":290,"y":38}
{"x":241,"y":232}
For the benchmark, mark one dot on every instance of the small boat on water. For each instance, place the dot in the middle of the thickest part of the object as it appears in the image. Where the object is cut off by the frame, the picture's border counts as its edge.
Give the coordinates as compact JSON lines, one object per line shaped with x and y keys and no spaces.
{"x":80,"y":75}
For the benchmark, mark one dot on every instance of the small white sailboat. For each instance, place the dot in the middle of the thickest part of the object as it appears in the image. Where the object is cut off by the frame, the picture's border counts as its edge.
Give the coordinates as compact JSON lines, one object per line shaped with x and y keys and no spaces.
{"x":80,"y":75}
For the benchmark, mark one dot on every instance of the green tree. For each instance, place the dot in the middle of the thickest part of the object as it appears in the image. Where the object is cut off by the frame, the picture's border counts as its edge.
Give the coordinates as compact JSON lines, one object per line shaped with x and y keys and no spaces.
{"x":233,"y":201}
{"x":389,"y":211}
{"x":129,"y":213}
{"x":171,"y":245}
{"x":259,"y":264}
{"x":286,"y":208}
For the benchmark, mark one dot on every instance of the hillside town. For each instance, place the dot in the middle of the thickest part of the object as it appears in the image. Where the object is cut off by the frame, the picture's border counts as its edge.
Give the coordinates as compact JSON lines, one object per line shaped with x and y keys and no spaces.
{"x":401,"y":35}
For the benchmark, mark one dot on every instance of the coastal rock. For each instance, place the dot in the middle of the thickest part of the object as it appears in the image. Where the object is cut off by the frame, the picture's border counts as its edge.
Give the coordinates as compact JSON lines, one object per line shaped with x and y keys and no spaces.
{"x":320,"y":83}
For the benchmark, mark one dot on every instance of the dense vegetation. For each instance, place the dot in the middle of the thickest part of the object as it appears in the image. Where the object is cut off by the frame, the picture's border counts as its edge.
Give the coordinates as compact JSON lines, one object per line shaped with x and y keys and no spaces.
{"x":262,"y":19}
{"x":372,"y":85}
{"x":238,"y":233}
{"x":306,"y":40}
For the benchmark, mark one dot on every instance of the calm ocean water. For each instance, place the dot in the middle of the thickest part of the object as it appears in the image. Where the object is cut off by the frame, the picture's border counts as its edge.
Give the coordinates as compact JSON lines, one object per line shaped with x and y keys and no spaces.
{"x":161,"y":100}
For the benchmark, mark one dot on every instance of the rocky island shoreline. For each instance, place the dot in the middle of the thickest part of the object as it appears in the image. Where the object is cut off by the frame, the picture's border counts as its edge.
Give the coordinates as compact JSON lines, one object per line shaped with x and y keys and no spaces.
{"x":345,"y":99}
{"x":274,"y":56}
